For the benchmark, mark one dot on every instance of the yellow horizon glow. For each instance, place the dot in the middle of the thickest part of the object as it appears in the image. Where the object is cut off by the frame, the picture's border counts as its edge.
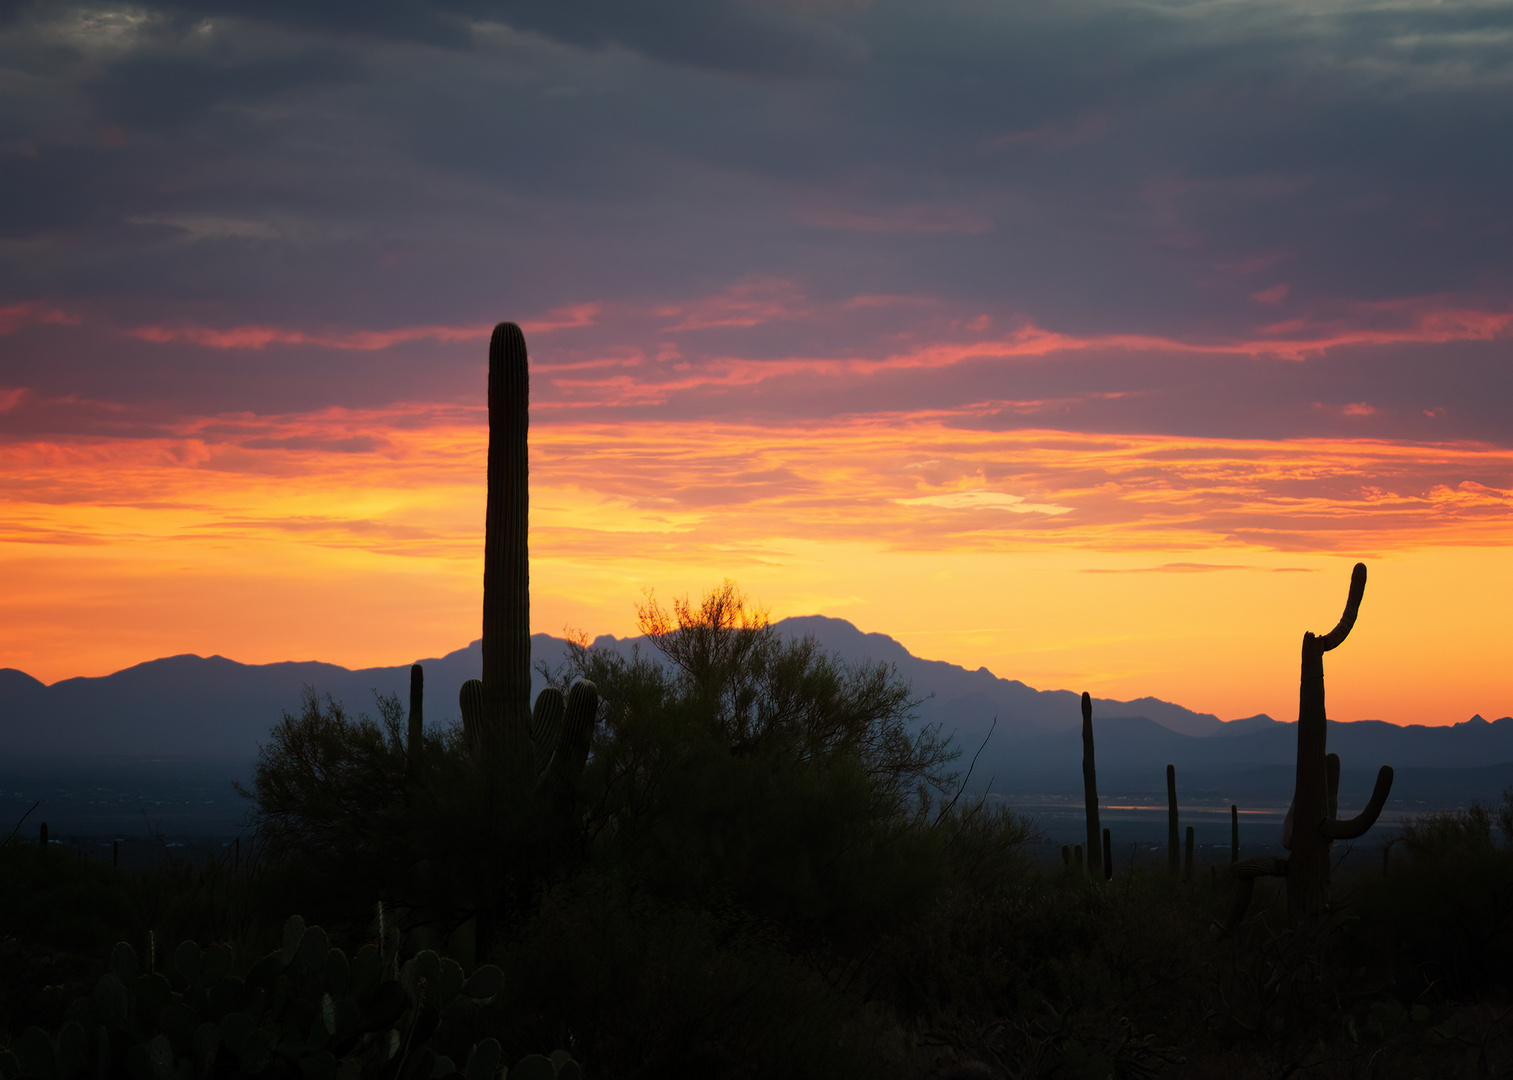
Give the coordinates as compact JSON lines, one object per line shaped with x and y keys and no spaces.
{"x":1185,"y":569}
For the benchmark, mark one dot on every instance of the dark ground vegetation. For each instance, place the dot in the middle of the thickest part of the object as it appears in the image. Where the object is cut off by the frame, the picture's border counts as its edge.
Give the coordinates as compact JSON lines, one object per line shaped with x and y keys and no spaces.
{"x":771,"y":872}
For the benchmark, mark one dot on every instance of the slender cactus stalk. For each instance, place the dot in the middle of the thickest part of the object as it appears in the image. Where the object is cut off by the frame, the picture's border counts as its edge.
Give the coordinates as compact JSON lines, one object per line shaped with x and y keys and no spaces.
{"x":506,"y":565}
{"x":417,"y":714}
{"x":1108,"y":857}
{"x":1172,"y":855}
{"x":518,"y":754}
{"x":1090,"y":785}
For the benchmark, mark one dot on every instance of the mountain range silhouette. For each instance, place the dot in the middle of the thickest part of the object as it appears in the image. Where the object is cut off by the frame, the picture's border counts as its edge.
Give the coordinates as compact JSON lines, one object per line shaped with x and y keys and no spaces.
{"x":210,"y":707}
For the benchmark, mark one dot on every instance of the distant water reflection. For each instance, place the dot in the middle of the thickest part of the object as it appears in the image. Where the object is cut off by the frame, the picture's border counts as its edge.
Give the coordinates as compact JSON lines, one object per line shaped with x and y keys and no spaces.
{"x":1138,"y":828}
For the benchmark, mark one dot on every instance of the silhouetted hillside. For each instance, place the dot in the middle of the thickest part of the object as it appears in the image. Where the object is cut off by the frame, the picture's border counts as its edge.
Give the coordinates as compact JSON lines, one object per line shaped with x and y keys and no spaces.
{"x":212,"y":707}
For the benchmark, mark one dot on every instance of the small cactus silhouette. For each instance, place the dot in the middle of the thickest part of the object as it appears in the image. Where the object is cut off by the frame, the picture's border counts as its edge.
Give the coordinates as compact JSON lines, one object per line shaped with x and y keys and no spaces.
{"x":1090,"y":785}
{"x":1172,"y":855}
{"x":417,"y":712}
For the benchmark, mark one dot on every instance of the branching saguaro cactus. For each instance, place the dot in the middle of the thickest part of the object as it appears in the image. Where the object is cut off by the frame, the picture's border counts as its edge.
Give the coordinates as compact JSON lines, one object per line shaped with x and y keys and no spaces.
{"x":545,"y":750}
{"x":1090,"y":786}
{"x":1312,"y":823}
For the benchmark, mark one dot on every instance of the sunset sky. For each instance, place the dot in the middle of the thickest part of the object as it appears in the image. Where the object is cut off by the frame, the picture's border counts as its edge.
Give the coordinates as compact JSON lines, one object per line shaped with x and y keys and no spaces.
{"x":1088,"y":341}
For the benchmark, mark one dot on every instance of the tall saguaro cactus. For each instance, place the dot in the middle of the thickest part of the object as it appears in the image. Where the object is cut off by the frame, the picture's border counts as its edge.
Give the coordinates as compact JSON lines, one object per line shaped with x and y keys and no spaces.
{"x":506,"y":556}
{"x":1090,"y":785}
{"x":546,"y":750}
{"x":1311,"y":823}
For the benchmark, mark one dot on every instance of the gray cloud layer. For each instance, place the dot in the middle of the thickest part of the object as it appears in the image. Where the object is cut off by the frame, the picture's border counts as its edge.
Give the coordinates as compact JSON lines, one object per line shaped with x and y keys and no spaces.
{"x":1197,"y":171}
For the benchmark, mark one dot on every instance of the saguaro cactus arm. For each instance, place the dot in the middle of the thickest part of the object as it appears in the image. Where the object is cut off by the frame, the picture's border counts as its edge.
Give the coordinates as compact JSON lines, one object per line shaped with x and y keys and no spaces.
{"x":546,"y":724}
{"x":1355,"y":827}
{"x":1245,"y":874}
{"x":1336,"y":637}
{"x":470,"y":700}
{"x":569,"y":750}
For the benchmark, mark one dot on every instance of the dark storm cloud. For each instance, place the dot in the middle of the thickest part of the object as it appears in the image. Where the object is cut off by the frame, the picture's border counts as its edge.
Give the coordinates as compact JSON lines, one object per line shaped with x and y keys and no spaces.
{"x":731,"y":35}
{"x":147,"y":91}
{"x":1197,"y":173}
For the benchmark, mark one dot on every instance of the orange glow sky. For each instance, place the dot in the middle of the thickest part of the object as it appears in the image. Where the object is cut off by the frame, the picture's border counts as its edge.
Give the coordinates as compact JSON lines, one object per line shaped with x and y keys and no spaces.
{"x":1183,"y":567}
{"x":1089,"y":342}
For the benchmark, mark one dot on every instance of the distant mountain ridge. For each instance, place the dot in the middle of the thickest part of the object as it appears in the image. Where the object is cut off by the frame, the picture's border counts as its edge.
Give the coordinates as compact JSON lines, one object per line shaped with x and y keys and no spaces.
{"x":190,"y":706}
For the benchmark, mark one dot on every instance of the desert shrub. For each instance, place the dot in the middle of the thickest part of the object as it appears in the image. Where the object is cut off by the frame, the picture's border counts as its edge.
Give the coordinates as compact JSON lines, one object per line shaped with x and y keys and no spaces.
{"x":730,"y":674}
{"x":1443,"y":913}
{"x":345,"y":818}
{"x":747,"y":769}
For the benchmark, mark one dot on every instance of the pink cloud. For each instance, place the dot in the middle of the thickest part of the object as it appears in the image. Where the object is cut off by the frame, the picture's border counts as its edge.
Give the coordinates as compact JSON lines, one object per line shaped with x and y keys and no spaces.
{"x":15,"y":316}
{"x":1274,"y":295}
{"x":749,"y":303}
{"x":259,"y":337}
